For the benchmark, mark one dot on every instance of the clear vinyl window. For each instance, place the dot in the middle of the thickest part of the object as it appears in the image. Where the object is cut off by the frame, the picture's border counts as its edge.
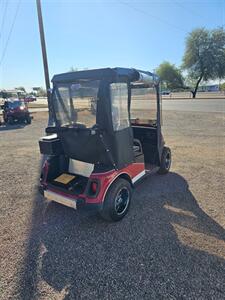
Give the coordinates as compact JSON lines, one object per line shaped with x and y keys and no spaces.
{"x":75,"y":104}
{"x":143,"y":105}
{"x":119,"y":102}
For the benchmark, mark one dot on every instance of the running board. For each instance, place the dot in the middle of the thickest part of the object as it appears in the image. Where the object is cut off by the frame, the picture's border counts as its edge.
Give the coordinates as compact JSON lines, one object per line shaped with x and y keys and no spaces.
{"x":52,"y":196}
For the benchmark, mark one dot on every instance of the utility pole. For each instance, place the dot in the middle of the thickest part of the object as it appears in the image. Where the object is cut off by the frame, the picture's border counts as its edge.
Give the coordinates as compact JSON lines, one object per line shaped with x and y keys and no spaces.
{"x":45,"y":59}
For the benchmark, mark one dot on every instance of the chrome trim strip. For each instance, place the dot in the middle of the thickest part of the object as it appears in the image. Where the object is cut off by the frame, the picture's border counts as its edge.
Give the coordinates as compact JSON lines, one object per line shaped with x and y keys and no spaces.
{"x":138,"y":176}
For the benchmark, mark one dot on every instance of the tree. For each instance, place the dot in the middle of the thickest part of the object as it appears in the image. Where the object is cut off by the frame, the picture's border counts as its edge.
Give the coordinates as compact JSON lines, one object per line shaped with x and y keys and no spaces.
{"x":21,"y":88}
{"x":204,"y":56}
{"x":41,"y":92}
{"x":170,"y":75}
{"x":222,"y":87}
{"x":72,"y":69}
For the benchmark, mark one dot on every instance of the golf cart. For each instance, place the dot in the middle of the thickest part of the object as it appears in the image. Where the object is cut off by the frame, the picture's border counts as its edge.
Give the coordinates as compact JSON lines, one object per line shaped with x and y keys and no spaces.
{"x":95,"y":157}
{"x":15,"y":110}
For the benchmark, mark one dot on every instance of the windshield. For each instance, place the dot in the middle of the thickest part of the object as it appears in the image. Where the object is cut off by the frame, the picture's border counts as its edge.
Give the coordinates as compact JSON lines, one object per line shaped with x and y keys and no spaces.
{"x":75,"y":103}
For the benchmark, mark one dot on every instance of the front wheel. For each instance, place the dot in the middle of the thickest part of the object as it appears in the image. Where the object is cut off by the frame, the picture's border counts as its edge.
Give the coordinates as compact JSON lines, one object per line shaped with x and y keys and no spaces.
{"x":10,"y":120}
{"x":117,"y":200}
{"x":165,"y":161}
{"x":28,"y":120}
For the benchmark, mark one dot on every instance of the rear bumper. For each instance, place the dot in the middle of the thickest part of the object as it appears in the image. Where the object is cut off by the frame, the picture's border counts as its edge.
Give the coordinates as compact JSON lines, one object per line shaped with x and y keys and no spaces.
{"x":52,"y":196}
{"x":75,"y":203}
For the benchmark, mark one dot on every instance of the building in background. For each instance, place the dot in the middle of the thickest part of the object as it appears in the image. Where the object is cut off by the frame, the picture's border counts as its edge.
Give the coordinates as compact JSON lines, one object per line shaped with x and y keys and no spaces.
{"x":14,"y":94}
{"x":209,"y":88}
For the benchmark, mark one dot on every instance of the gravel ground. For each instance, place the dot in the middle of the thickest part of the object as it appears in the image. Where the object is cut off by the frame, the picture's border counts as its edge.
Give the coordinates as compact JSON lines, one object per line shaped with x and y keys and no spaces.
{"x":171,"y":245}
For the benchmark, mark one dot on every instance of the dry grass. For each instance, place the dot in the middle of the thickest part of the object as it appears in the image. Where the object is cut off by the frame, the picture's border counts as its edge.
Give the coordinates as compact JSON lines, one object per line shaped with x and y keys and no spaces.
{"x":171,"y":244}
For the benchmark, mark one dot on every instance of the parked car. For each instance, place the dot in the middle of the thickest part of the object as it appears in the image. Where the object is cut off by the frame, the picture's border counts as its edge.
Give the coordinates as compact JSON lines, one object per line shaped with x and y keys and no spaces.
{"x":15,"y":110}
{"x":30,"y":98}
{"x":165,"y":92}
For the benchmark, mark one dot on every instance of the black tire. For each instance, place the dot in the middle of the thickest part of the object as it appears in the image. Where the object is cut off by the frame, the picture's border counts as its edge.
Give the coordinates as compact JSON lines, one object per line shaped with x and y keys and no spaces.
{"x":117,"y":200}
{"x":165,"y":161}
{"x":10,"y":120}
{"x":28,"y":120}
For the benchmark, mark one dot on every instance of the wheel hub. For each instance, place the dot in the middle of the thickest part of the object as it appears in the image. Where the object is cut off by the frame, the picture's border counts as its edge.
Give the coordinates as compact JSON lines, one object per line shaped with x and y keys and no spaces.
{"x":122,"y":200}
{"x":167,"y":161}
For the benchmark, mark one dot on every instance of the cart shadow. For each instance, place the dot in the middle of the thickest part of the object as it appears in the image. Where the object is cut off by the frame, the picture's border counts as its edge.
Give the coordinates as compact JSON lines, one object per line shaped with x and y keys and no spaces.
{"x":6,"y":127}
{"x":165,"y":247}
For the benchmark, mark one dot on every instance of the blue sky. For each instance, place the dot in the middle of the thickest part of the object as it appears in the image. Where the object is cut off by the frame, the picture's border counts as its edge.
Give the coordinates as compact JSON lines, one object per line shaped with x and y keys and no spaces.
{"x":93,"y":34}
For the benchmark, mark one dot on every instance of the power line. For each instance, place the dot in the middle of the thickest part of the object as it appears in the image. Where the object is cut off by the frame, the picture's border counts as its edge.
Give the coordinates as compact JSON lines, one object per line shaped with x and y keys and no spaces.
{"x":10,"y":32}
{"x":152,"y":16}
{"x":189,"y":10}
{"x":3,"y":17}
{"x":193,"y":12}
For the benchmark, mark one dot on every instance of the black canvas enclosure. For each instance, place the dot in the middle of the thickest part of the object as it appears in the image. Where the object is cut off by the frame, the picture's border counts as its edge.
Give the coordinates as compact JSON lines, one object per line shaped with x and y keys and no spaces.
{"x":85,"y":116}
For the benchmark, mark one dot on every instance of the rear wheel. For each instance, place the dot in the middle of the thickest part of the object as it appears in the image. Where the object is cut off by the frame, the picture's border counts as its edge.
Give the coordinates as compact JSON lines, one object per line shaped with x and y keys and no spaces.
{"x":165,"y":161}
{"x":117,"y":200}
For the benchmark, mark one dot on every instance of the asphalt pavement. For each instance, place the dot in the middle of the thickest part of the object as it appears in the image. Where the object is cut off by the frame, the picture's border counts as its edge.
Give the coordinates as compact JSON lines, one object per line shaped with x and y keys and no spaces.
{"x":189,"y":105}
{"x":195,"y":105}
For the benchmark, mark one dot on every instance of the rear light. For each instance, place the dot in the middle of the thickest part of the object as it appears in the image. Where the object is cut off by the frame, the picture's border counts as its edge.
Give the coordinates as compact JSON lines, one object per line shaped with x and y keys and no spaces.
{"x":93,"y":188}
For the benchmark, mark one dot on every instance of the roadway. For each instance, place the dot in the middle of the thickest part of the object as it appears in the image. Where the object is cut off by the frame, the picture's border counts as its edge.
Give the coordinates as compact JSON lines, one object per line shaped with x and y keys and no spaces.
{"x":191,"y":105}
{"x":195,"y":105}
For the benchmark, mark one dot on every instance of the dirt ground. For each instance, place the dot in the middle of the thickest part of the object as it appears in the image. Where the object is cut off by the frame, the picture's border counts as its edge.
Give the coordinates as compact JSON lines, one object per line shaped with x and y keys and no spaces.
{"x":171,"y":245}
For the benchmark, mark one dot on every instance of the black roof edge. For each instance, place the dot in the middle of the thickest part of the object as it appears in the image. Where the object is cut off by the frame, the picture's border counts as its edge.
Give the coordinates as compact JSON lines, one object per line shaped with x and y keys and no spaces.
{"x":130,"y":74}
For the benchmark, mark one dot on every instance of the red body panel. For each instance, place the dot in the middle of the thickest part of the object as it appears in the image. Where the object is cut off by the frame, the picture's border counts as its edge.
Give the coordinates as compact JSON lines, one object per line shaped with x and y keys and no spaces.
{"x":105,"y":179}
